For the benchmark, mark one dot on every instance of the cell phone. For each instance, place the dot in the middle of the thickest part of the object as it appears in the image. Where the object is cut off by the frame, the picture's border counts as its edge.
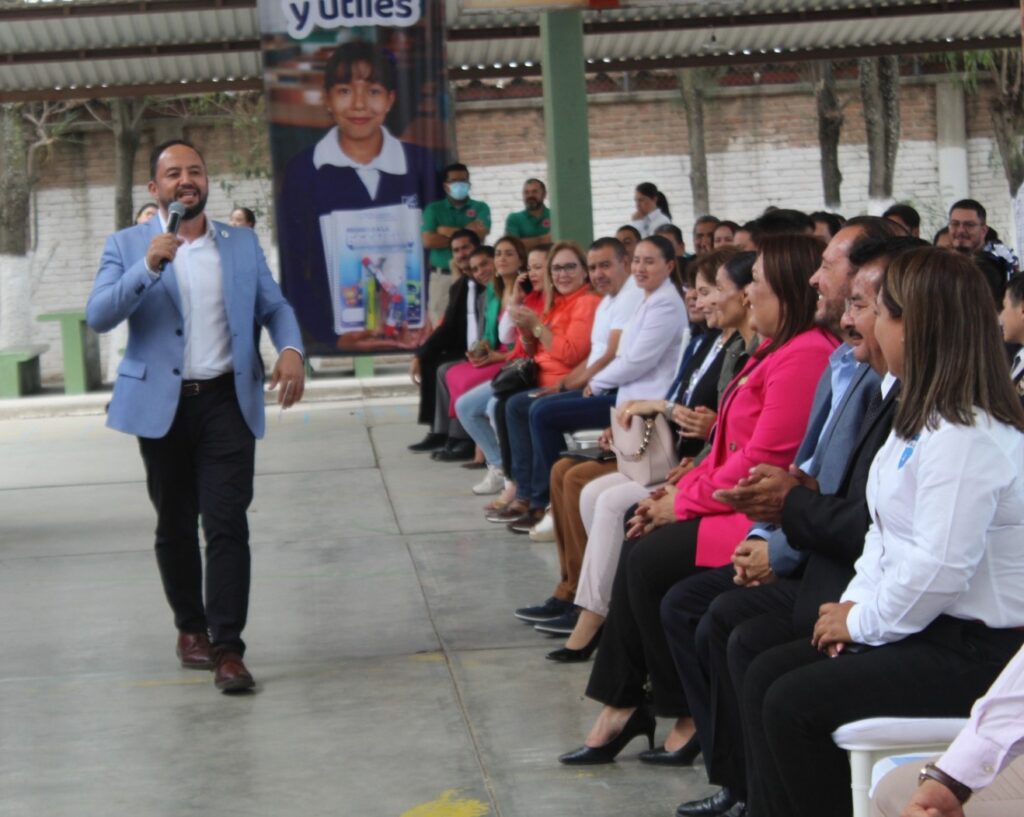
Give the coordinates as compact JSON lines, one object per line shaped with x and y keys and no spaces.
{"x":526,"y":285}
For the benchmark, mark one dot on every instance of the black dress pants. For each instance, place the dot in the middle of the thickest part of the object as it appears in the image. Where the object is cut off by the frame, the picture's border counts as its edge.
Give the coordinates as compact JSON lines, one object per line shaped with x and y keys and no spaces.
{"x":204,"y":465}
{"x":633,"y":645}
{"x":429,"y":364}
{"x":793,"y":697}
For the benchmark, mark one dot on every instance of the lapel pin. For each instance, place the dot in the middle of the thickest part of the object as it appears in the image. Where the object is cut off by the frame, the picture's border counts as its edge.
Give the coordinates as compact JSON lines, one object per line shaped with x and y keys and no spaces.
{"x":223,"y":233}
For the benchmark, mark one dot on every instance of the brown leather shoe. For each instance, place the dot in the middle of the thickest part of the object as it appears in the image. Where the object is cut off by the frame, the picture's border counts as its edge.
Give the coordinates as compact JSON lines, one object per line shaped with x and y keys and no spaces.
{"x":193,"y":651}
{"x":231,"y":674}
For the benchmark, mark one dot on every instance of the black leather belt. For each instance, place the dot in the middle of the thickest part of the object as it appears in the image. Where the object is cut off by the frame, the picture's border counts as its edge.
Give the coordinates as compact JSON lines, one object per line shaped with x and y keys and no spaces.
{"x":193,"y":388}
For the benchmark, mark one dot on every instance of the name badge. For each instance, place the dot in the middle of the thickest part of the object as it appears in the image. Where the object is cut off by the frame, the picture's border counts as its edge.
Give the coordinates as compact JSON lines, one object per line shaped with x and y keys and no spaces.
{"x":908,"y":451}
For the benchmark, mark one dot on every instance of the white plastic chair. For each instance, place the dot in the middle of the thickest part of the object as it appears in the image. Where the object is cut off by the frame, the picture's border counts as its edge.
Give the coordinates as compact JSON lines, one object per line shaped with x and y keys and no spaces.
{"x":872,"y":739}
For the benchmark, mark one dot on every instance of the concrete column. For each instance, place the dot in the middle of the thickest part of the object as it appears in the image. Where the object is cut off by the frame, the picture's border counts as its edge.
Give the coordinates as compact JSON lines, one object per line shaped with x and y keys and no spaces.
{"x":951,"y":139}
{"x":565,"y":126}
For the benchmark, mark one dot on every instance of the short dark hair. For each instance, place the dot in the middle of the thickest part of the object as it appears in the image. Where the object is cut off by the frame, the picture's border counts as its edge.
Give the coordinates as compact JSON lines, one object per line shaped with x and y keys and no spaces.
{"x":996,"y":271}
{"x":145,"y":207}
{"x":740,"y":268}
{"x":483,"y":249}
{"x":346,"y":56}
{"x":250,"y":216}
{"x":543,"y":186}
{"x":970,"y":204}
{"x":781,"y":222}
{"x":732,"y":225}
{"x":608,"y":242}
{"x":830,"y":220}
{"x":939,"y":233}
{"x":454,"y":166}
{"x":1015,"y":288}
{"x":708,"y":219}
{"x":157,"y":151}
{"x":672,"y":230}
{"x":630,"y":229}
{"x":875,"y":227}
{"x":473,"y":237}
{"x":870,"y":248}
{"x":905,"y":213}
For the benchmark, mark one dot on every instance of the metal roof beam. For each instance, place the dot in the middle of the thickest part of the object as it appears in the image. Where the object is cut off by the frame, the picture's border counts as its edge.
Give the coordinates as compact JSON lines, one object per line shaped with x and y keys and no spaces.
{"x":72,"y":10}
{"x":130,"y":52}
{"x":156,"y":89}
{"x":778,"y":18}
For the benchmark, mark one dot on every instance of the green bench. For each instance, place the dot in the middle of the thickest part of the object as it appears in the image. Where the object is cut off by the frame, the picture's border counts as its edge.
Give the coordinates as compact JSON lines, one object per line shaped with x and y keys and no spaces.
{"x":81,"y":350}
{"x":19,"y":370}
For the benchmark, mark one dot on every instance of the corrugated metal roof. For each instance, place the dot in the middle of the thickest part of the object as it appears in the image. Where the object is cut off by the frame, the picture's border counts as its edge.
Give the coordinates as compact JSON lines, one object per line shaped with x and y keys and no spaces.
{"x":152,"y":43}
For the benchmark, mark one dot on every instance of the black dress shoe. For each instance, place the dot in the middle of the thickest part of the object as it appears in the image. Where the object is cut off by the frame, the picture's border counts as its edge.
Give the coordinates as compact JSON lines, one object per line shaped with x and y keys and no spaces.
{"x":683,"y":756}
{"x":717,"y":804}
{"x":738,"y":810}
{"x":567,"y":655}
{"x":641,"y":722}
{"x":430,"y":442}
{"x":455,"y":451}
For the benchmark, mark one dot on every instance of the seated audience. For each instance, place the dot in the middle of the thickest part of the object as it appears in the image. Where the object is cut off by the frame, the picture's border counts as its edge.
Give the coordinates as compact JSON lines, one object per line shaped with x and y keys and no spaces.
{"x":943,"y":239}
{"x":510,"y":259}
{"x":704,"y":234}
{"x":651,"y":209}
{"x":603,"y":500}
{"x":447,"y":343}
{"x":629,"y":236}
{"x":725,"y":233}
{"x":684,"y":529}
{"x":936,"y":606}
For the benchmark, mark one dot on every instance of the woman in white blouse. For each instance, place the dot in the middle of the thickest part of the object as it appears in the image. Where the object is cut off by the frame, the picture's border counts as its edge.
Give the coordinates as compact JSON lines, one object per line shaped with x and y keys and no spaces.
{"x":936,"y":608}
{"x":651,"y":209}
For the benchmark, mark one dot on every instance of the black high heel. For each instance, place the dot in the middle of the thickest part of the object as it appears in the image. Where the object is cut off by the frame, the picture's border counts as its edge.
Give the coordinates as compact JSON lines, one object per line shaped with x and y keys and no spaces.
{"x":683,"y":756}
{"x":567,"y":655}
{"x":641,"y":722}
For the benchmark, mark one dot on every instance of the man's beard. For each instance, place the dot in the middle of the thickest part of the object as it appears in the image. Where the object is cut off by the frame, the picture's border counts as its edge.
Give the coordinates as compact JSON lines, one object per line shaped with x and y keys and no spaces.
{"x":533,"y":204}
{"x":193,"y":211}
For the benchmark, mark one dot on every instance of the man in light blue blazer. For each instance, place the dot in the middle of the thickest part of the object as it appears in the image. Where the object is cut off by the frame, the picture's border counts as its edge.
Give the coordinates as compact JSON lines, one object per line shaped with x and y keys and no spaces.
{"x":190,"y":387}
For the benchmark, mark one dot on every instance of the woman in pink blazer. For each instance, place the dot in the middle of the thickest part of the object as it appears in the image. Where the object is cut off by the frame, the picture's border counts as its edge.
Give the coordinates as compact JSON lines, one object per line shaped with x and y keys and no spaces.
{"x":684,"y":529}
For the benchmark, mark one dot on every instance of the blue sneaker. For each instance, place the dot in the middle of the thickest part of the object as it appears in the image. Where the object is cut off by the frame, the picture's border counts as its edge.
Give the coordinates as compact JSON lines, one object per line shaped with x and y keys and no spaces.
{"x":563,"y":625}
{"x":552,"y":608}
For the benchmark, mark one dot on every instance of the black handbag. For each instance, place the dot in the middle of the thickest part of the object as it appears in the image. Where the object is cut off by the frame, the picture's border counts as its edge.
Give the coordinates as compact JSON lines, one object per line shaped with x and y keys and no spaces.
{"x":515,"y":376}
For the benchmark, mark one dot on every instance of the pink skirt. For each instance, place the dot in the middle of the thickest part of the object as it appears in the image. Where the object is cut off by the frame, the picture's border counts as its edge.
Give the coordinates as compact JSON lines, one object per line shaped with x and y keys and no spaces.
{"x":465,"y":376}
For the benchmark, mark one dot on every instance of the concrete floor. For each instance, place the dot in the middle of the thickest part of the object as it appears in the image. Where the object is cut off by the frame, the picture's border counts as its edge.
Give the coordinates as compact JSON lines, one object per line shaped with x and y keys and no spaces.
{"x":393,"y":679}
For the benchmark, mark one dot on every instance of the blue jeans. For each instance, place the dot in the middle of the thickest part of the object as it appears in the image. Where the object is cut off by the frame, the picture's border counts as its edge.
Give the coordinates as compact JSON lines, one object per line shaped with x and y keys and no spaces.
{"x":535,"y":429}
{"x":475,"y":410}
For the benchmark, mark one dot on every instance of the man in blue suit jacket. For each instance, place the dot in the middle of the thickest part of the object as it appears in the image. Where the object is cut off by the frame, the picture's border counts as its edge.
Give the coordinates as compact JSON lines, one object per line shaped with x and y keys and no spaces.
{"x":190,"y":387}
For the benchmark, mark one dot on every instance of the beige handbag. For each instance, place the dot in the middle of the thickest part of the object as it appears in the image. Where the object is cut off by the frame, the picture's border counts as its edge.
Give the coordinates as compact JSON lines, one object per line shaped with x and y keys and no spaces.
{"x":645,"y":451}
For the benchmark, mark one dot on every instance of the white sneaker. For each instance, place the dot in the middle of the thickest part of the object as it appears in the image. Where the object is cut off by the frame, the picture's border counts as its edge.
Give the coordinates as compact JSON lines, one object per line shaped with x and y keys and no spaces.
{"x":492,"y":483}
{"x":544,"y":531}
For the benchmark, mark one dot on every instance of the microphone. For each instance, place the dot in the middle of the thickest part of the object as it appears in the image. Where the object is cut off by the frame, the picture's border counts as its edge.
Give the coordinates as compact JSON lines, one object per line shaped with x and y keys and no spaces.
{"x":175,"y":213}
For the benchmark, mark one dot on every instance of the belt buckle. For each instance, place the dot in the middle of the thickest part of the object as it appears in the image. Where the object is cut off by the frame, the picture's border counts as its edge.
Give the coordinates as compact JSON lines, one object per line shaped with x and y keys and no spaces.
{"x":190,"y":389}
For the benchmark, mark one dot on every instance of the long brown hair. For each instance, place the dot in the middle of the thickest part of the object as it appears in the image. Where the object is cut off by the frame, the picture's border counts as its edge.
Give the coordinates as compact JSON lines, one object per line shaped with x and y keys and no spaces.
{"x":954,"y":360}
{"x":520,"y":248}
{"x":789,"y":261}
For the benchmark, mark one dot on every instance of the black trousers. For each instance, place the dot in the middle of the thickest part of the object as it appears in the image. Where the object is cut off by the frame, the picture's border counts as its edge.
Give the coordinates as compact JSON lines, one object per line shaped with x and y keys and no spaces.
{"x":633,"y":646}
{"x":793,"y":697}
{"x":429,"y":364}
{"x":204,"y":465}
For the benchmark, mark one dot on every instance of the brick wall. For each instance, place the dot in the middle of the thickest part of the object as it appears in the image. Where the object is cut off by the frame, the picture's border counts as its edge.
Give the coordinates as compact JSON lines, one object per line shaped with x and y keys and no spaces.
{"x":762,"y":149}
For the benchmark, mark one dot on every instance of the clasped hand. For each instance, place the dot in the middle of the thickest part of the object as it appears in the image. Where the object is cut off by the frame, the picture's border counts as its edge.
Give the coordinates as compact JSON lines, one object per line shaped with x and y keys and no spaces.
{"x":752,"y":564}
{"x":761,"y":494}
{"x":830,"y":631}
{"x":657,"y":510}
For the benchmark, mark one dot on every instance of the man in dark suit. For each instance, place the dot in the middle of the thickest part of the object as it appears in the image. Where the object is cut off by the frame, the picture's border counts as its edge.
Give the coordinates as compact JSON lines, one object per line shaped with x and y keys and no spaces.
{"x":190,"y":387}
{"x":447,"y":343}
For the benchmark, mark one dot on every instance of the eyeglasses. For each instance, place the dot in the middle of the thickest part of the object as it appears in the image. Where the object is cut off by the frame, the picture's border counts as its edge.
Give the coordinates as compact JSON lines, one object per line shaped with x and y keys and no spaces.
{"x":967,"y":225}
{"x":559,"y":269}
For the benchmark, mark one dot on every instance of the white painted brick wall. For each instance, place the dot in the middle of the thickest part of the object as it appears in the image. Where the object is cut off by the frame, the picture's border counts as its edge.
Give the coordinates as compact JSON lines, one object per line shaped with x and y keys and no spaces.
{"x":73,"y":223}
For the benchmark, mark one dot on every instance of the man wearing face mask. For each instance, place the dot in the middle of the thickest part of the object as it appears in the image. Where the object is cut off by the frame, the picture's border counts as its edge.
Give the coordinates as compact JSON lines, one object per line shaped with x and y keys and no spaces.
{"x":441,"y":220}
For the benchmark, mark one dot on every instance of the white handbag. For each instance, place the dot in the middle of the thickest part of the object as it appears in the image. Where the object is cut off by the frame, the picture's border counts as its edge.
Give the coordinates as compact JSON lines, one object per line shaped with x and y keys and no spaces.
{"x":645,"y":451}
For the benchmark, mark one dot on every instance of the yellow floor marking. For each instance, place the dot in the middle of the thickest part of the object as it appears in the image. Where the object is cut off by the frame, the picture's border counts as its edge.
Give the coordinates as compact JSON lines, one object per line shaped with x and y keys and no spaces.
{"x":447,"y":806}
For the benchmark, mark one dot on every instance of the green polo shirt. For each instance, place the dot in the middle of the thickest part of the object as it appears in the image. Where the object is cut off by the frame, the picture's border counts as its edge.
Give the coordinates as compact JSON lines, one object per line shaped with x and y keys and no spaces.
{"x":525,"y":225}
{"x":444,"y":214}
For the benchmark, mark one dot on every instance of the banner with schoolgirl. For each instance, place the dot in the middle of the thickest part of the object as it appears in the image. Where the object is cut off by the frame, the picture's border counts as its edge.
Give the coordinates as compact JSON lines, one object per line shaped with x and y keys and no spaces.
{"x":360,"y":122}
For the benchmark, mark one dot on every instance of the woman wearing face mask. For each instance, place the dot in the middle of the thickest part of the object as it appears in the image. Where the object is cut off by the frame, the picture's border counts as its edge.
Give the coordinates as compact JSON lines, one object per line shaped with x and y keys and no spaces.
{"x":441,"y":220}
{"x":356,"y":168}
{"x":651,"y":209}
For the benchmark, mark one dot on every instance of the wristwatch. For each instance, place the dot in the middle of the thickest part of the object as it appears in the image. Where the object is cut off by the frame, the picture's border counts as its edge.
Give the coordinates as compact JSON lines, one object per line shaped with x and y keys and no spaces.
{"x":932,"y":772}
{"x":667,"y":409}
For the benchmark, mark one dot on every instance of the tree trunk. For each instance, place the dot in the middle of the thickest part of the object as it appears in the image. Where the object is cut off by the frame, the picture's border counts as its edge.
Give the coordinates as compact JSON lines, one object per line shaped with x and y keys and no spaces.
{"x":125,"y":120}
{"x":14,"y":182}
{"x":830,"y":124}
{"x":880,"y":92}
{"x":689,"y":86}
